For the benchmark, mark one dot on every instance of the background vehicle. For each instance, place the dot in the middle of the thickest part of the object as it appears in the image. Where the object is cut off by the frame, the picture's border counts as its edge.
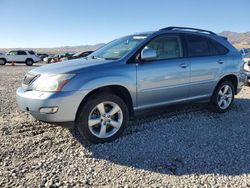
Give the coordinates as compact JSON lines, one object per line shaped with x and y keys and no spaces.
{"x":247,"y":66}
{"x":20,"y":56}
{"x":136,"y":72}
{"x":77,"y":55}
{"x":244,"y":51}
{"x":42,"y":56}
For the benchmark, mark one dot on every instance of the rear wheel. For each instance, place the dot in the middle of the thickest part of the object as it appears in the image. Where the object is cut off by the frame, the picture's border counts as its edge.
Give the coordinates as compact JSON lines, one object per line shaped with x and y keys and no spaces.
{"x":29,"y":62}
{"x":3,"y":61}
{"x":103,"y":118}
{"x":223,"y":97}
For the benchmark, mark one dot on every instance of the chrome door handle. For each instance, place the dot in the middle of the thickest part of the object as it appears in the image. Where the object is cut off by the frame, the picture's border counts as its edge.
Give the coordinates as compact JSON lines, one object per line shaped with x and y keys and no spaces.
{"x":220,"y":61}
{"x":183,"y":65}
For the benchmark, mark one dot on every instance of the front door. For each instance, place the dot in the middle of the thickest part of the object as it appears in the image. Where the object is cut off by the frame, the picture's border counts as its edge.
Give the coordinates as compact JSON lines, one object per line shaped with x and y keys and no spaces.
{"x":166,"y":78}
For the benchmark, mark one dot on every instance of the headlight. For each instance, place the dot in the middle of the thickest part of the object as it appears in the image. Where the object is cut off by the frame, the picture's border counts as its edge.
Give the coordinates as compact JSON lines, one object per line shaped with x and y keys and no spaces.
{"x":52,"y":83}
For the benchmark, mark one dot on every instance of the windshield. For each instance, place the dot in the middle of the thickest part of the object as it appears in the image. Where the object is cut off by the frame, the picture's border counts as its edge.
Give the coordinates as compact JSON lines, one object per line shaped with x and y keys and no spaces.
{"x":118,"y":48}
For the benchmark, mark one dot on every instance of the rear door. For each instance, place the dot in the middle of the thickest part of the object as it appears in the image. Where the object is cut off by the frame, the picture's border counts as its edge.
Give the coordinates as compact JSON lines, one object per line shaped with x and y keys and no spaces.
{"x":207,"y":62}
{"x":21,"y":56}
{"x":166,"y":78}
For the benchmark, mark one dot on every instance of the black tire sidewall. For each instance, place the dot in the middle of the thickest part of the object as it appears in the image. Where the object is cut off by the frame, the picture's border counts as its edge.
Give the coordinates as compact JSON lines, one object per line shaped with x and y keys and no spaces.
{"x":26,"y":62}
{"x":214,"y":99}
{"x":82,"y":121}
{"x":4,"y":62}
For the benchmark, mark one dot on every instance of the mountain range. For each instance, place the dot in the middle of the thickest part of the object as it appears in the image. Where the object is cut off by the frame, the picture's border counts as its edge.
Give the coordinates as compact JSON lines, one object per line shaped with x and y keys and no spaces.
{"x":239,"y":40}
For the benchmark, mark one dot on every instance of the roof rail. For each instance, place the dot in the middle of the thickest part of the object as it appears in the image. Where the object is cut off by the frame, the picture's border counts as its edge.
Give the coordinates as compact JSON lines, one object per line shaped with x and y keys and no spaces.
{"x":188,"y":28}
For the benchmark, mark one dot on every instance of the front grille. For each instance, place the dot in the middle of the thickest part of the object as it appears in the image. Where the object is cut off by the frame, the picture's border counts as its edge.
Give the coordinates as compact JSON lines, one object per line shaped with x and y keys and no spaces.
{"x":29,"y":78}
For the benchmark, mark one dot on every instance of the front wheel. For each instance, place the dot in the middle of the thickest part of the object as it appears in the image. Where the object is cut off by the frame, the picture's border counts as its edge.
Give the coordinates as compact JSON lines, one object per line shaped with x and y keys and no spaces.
{"x":223,"y":97}
{"x":103,"y":118}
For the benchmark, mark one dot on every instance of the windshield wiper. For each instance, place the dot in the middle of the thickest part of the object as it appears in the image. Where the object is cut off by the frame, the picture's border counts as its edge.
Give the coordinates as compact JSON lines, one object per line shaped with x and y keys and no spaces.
{"x":95,"y":57}
{"x":100,"y":58}
{"x":111,"y":58}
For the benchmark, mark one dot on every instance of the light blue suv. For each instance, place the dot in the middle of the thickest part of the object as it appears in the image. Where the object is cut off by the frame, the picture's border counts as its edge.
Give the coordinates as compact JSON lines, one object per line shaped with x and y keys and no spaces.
{"x":100,"y":92}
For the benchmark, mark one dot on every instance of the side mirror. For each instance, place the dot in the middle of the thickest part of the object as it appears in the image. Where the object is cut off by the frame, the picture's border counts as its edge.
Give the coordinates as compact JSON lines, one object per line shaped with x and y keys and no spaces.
{"x":148,"y":54}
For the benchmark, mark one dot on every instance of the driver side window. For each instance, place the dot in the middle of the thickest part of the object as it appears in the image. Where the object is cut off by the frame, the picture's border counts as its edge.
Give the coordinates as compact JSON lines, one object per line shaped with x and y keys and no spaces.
{"x":166,"y":47}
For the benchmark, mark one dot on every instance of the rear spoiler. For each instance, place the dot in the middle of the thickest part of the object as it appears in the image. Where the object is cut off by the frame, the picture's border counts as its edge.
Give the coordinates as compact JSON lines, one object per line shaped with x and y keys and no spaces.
{"x":225,"y":38}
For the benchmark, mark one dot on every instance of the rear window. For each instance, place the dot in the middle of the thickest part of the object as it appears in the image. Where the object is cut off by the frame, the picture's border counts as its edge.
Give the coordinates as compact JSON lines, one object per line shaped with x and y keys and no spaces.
{"x":197,"y":46}
{"x":31,"y":53}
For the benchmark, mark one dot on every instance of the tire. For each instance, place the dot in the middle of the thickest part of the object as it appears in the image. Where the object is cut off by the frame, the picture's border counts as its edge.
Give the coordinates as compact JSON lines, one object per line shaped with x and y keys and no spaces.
{"x":96,"y":126}
{"x":3,"y":61}
{"x":223,"y":97}
{"x":29,"y":62}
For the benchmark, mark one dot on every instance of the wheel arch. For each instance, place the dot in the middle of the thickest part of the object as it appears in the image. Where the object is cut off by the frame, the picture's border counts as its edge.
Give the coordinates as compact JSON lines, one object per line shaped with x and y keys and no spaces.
{"x":29,"y":59}
{"x":230,"y":77}
{"x":3,"y":58}
{"x":118,"y":90}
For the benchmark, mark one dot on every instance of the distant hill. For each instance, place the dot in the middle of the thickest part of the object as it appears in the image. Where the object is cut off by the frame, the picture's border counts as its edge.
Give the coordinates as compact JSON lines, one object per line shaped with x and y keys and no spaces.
{"x":58,"y":50}
{"x":239,"y":40}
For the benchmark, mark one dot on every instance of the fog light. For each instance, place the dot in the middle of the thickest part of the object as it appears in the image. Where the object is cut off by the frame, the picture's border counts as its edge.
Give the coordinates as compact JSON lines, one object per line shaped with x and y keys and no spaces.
{"x":48,"y":110}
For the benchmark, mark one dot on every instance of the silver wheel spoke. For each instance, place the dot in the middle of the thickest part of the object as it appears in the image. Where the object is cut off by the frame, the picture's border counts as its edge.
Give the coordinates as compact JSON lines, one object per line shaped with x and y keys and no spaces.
{"x":102,"y":132}
{"x":101,"y":108}
{"x":220,"y":93}
{"x":229,"y":95}
{"x":224,"y":103}
{"x":115,"y":124}
{"x":114,"y":110}
{"x":225,"y":89}
{"x":220,"y":102}
{"x":93,"y":122}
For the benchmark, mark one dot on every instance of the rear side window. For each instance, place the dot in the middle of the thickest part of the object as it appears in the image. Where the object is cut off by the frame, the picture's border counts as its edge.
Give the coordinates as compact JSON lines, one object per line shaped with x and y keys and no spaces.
{"x":21,"y":53}
{"x":197,"y":46}
{"x":217,"y":48}
{"x":31,"y":53}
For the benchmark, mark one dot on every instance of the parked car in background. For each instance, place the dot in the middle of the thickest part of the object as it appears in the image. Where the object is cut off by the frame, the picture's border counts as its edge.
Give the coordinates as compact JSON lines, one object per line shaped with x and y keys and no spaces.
{"x":1,"y":53}
{"x":19,"y":56}
{"x":247,"y":66}
{"x":48,"y":59}
{"x":244,"y":51}
{"x":137,"y":72}
{"x":42,"y":55}
{"x":59,"y":57}
{"x":77,"y":55}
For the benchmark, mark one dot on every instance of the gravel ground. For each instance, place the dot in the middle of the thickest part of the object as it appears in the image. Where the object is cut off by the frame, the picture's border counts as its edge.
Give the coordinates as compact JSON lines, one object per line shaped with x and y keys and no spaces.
{"x":181,"y":146}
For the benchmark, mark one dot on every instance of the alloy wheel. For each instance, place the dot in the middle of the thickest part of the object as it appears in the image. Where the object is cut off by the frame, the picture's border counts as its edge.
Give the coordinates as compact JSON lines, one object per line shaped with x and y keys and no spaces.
{"x":105,"y":119}
{"x":225,"y":96}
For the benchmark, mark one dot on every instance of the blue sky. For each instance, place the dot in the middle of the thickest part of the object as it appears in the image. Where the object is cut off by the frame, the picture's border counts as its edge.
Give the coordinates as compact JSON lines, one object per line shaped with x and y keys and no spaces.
{"x":52,"y":23}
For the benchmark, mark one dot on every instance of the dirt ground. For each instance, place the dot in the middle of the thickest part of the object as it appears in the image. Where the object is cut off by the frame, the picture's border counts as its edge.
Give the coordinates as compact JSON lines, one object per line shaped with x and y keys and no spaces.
{"x":180,"y":146}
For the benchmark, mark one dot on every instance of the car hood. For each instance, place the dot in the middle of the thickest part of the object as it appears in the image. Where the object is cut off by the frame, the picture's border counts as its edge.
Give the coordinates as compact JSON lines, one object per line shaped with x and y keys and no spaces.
{"x":66,"y":66}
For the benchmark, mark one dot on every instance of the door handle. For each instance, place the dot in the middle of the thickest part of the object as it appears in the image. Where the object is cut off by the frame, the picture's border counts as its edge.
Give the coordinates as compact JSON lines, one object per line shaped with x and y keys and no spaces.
{"x":183,"y":65}
{"x":220,"y":61}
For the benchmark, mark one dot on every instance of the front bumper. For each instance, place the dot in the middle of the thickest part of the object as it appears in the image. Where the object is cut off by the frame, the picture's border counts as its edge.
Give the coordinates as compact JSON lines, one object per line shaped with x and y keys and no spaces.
{"x":67,"y":103}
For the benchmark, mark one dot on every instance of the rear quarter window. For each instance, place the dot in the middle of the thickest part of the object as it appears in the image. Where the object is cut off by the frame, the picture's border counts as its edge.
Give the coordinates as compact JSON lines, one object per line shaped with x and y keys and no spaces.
{"x":216,"y":48}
